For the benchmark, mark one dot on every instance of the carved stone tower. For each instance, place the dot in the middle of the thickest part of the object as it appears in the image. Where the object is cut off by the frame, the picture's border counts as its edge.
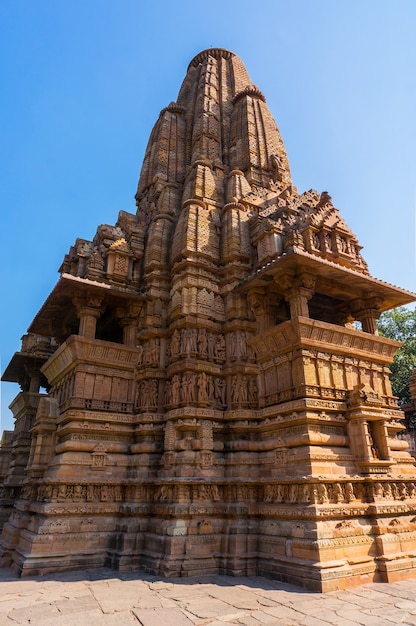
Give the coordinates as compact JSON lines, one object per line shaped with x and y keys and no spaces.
{"x":210,"y":405}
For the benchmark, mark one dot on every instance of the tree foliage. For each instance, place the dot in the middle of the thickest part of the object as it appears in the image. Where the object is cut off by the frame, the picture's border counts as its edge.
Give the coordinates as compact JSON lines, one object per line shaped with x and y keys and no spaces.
{"x":400,"y":324}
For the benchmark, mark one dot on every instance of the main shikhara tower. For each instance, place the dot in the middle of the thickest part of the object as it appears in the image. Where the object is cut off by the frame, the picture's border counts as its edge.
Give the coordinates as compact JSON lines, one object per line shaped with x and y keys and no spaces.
{"x":210,"y":404}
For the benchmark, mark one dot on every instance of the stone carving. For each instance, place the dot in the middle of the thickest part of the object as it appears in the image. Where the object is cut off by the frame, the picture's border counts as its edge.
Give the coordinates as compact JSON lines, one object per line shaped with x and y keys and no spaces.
{"x":239,"y":392}
{"x":188,"y":388}
{"x":220,"y":347}
{"x":200,"y":378}
{"x":202,"y":342}
{"x":175,"y":389}
{"x":203,"y":388}
{"x":252,"y":392}
{"x":211,"y":345}
{"x":175,"y":346}
{"x":219,"y":391}
{"x":237,"y":345}
{"x":151,"y":352}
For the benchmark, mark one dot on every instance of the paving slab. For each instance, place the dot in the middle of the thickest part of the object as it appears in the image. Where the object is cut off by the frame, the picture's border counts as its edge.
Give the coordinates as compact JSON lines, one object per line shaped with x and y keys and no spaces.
{"x":108,"y":598}
{"x":161,"y":617}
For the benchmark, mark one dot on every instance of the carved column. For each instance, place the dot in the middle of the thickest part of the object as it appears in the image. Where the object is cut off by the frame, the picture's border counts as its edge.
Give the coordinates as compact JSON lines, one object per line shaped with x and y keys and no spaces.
{"x":297,"y":291}
{"x":89,"y":309}
{"x":128,"y":317}
{"x":298,"y":301}
{"x":35,"y":378}
{"x":367,"y":312}
{"x":368,"y":319}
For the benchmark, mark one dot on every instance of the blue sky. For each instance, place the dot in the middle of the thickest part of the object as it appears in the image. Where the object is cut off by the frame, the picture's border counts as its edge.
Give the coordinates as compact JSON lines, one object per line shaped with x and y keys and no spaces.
{"x":83,"y":83}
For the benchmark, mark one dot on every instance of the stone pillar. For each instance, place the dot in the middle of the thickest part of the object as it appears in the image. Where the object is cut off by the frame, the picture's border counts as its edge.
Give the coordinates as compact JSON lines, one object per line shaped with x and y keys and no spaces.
{"x":298,"y":301}
{"x":297,"y":290}
{"x":89,"y":309}
{"x":127,"y":317}
{"x":368,"y":319}
{"x":367,"y":312}
{"x":88,"y":321}
{"x":35,"y":378}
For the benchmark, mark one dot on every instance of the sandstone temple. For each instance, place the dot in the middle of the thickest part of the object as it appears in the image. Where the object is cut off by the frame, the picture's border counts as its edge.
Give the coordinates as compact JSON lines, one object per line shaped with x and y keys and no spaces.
{"x":204,"y":390}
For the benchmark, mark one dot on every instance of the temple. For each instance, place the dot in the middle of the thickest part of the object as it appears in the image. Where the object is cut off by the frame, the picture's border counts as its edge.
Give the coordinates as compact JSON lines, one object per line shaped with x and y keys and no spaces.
{"x":204,"y":390}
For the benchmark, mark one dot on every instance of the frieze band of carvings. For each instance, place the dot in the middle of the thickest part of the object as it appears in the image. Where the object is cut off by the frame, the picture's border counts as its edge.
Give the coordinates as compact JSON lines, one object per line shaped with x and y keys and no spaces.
{"x":271,"y":493}
{"x":194,"y":342}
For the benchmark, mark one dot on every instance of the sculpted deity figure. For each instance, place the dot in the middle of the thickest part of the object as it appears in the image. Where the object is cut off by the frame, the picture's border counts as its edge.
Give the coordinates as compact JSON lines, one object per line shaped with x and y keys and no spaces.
{"x":184,"y":389}
{"x":402,"y":490}
{"x":202,"y":342}
{"x":220,"y":347}
{"x":342,"y":242}
{"x":153,"y":393}
{"x":238,"y":390}
{"x":154,"y":351}
{"x":268,"y":493}
{"x":232,"y":345}
{"x":175,"y":344}
{"x":349,"y":492}
{"x":202,"y":387}
{"x":293,"y":493}
{"x":219,"y":390}
{"x":252,"y":392}
{"x":328,"y":242}
{"x":164,"y":493}
{"x":211,"y":345}
{"x":374,"y":451}
{"x":234,"y":390}
{"x":144,"y":393}
{"x":322,"y":493}
{"x":211,"y":388}
{"x":193,"y":340}
{"x":241,"y":344}
{"x":185,"y":341}
{"x":188,"y":388}
{"x":337,"y":492}
{"x":388,"y":490}
{"x":306,"y":493}
{"x":192,"y":387}
{"x":168,"y":392}
{"x":204,"y":492}
{"x":280,"y":493}
{"x":215,"y":493}
{"x":315,"y":241}
{"x":378,"y":490}
{"x":175,"y":389}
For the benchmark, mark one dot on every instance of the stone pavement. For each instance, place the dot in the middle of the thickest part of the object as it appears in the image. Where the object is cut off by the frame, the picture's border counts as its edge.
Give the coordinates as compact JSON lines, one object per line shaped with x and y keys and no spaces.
{"x":108,"y":598}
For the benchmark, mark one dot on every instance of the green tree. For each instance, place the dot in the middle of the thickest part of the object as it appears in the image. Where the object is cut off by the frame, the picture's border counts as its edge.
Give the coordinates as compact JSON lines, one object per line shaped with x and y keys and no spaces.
{"x":400,"y":324}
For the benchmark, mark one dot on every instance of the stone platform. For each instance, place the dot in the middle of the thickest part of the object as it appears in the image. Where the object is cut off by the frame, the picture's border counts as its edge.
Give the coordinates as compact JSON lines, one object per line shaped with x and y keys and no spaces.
{"x":104,"y":598}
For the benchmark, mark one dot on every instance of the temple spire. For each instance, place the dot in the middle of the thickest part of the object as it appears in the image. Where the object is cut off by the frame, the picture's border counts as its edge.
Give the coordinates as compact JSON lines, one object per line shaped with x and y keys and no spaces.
{"x":219,"y":123}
